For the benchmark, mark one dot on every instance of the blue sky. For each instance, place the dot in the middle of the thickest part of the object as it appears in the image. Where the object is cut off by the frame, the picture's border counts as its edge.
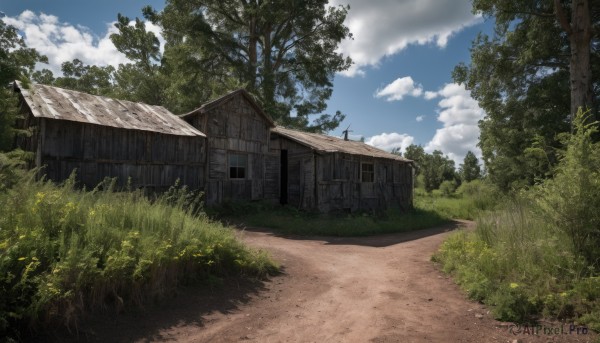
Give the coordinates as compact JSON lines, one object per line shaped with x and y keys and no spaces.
{"x":399,"y":91}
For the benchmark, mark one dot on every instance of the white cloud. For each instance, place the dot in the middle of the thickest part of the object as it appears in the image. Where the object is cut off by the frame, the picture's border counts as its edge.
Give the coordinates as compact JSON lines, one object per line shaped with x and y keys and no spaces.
{"x":460,"y":115}
{"x":63,"y":42}
{"x":399,"y":88}
{"x":428,"y":95}
{"x":420,"y":118}
{"x":385,"y":27}
{"x":389,"y":141}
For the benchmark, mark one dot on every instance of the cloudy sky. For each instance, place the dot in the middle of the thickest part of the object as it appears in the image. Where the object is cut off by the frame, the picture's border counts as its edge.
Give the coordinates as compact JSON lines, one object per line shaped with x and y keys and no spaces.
{"x":399,"y":90}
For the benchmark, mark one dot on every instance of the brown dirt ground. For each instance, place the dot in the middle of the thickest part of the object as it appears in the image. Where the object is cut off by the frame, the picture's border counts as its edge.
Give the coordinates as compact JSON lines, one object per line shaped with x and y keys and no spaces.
{"x":378,"y":289}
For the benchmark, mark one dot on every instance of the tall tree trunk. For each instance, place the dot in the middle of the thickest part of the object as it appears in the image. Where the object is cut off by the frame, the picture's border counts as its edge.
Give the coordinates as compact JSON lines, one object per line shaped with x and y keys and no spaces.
{"x":252,"y":53}
{"x":580,"y":35}
{"x":268,"y":73}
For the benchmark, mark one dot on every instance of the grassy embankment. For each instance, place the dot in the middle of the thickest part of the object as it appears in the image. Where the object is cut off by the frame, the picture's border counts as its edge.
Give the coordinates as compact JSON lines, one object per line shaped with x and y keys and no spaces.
{"x":539,"y":255}
{"x":66,"y":252}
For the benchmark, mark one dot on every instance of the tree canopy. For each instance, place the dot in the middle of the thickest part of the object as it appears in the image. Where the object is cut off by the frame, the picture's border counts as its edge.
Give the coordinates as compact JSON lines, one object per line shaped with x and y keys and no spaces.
{"x":523,"y":78}
{"x":17,"y":62}
{"x":470,"y":170}
{"x":285,"y":52}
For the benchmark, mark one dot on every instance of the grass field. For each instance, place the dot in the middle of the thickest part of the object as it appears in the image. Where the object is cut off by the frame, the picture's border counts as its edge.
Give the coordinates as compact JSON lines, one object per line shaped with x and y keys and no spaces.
{"x":65,"y":252}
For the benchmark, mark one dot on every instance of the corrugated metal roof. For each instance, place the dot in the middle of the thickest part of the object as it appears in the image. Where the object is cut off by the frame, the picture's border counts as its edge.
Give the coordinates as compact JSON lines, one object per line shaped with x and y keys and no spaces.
{"x":63,"y":104}
{"x":217,"y":102}
{"x":323,"y":143}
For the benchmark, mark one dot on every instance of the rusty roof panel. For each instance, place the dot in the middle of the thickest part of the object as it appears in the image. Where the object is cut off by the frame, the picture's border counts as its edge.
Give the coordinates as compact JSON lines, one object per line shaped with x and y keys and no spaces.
{"x":323,"y":143}
{"x":63,"y":104}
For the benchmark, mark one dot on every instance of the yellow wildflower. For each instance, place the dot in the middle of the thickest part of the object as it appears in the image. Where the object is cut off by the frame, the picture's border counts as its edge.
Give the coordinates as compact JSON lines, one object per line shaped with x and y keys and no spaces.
{"x":514,"y":285}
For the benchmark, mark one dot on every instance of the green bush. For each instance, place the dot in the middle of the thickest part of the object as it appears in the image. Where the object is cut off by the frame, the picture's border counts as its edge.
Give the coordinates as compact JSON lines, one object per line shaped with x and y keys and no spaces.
{"x":571,"y":200}
{"x":483,"y":194}
{"x":65,"y":252}
{"x":513,"y":264}
{"x":448,"y":187}
{"x":539,"y":254}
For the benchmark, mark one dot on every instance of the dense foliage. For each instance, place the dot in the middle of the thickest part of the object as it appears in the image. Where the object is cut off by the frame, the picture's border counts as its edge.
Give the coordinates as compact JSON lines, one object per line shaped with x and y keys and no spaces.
{"x":284,"y":53}
{"x":470,"y":170}
{"x":65,"y":252}
{"x":521,"y":77}
{"x":432,"y":169}
{"x":16,"y":63}
{"x":539,"y":255}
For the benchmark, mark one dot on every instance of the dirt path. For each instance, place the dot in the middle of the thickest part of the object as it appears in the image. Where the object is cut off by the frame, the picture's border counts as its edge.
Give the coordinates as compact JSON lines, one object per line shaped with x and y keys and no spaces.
{"x":379,"y":289}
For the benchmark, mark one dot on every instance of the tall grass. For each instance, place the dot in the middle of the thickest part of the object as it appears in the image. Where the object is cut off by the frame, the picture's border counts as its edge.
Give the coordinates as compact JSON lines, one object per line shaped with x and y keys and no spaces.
{"x":65,"y":252}
{"x":430,"y":210}
{"x":522,"y":267}
{"x":289,"y":220}
{"x":539,"y":255}
{"x":469,"y":200}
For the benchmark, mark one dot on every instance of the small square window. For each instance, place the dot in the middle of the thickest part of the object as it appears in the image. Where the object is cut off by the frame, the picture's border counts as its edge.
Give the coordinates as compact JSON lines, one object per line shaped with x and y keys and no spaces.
{"x":367,"y":172}
{"x":237,"y":166}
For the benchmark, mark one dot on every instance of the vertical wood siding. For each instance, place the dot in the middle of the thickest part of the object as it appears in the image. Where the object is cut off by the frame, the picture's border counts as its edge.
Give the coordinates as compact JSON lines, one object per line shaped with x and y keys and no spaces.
{"x":235,"y":127}
{"x":151,"y":160}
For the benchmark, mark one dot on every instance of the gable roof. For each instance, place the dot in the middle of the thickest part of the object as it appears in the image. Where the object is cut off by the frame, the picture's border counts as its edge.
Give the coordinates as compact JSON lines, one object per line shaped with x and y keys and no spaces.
{"x":222,"y":100}
{"x":324,"y":143}
{"x":63,"y":104}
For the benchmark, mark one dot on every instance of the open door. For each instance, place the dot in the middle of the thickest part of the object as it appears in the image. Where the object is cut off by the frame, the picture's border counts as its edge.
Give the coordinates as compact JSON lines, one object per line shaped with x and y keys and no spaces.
{"x":283,"y":177}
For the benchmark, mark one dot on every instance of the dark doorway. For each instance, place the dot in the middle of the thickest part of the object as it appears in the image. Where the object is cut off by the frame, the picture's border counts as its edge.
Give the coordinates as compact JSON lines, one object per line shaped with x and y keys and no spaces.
{"x":283,"y":177}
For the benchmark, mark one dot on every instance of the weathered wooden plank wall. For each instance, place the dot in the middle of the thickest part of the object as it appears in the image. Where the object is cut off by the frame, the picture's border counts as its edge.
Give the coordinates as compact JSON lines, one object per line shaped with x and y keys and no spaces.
{"x":340,"y":186}
{"x":332,"y":181}
{"x":152,"y":160}
{"x":234,"y":127}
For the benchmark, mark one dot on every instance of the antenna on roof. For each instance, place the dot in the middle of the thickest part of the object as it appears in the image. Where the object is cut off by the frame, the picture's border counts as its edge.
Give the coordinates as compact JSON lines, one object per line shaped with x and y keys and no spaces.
{"x":345,"y":132}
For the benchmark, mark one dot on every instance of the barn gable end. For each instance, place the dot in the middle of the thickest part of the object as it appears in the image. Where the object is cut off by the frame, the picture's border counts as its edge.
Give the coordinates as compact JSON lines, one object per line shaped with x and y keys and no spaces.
{"x":238,"y":136}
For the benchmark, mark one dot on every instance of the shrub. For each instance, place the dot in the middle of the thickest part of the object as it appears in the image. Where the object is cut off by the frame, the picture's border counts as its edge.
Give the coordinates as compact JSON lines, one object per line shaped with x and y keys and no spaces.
{"x":572,"y":198}
{"x":65,"y":252}
{"x":513,"y":263}
{"x":483,"y":194}
{"x":448,"y":187}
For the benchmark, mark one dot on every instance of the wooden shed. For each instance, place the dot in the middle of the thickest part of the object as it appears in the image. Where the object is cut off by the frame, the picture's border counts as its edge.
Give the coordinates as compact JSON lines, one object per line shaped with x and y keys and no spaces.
{"x":103,"y":137}
{"x":325,"y":173}
{"x":238,"y":139}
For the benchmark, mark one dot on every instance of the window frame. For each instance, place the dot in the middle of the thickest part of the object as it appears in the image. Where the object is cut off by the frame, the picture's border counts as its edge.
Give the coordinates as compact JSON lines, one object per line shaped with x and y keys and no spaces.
{"x":238,"y":158}
{"x":364,"y":172}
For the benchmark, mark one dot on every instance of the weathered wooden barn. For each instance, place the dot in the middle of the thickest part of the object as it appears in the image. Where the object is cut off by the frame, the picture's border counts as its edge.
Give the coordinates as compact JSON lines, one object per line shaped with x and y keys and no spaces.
{"x":325,"y":173}
{"x":238,"y":140}
{"x":249,"y":158}
{"x":229,"y":148}
{"x":103,"y":137}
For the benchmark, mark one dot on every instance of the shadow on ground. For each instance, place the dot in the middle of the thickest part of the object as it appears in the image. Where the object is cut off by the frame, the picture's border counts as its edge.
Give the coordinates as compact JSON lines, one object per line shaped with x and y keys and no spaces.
{"x":188,"y":306}
{"x":377,"y":241}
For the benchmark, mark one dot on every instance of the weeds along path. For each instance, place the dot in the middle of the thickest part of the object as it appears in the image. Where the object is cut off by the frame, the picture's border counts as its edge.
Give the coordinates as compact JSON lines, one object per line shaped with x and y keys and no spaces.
{"x":379,"y":289}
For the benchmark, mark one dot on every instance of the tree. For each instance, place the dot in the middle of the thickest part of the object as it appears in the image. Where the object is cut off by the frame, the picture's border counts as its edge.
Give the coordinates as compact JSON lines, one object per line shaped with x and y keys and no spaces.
{"x":144,"y":79}
{"x":520,"y":77}
{"x":571,"y":199}
{"x":415,"y":153}
{"x":470,"y":169}
{"x":285,"y":52}
{"x":80,"y":77}
{"x":17,"y":62}
{"x":437,"y":168}
{"x":580,"y":32}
